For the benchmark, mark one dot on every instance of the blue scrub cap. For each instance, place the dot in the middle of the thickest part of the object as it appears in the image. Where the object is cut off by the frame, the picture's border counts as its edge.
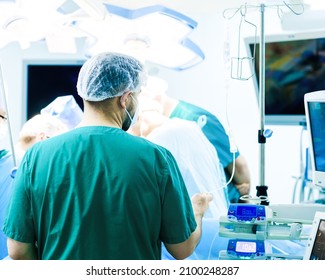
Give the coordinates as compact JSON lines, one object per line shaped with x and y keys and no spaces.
{"x":66,"y":109}
{"x":108,"y":75}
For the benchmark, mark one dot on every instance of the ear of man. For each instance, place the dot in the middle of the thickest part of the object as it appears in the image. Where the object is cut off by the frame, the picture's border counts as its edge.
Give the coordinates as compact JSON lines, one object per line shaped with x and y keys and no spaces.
{"x":124,"y":99}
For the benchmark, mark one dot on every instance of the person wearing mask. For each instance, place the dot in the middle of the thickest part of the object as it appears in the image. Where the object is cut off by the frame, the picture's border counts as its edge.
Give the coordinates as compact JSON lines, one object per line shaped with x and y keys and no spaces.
{"x":97,"y":192}
{"x":213,"y":130}
{"x":6,"y":166}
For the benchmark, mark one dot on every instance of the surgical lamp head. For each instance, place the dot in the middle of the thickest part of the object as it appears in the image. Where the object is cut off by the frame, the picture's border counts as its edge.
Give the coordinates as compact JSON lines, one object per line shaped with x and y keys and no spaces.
{"x":109,"y":75}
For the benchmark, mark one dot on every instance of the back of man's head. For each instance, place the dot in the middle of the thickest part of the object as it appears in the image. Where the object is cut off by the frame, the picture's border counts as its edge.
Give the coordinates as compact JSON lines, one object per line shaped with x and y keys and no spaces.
{"x":39,"y":128}
{"x":109,"y":75}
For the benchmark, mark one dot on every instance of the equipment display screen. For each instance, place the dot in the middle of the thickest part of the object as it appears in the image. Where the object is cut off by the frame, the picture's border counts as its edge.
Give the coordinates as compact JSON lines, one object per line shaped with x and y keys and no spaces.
{"x":317,"y":118}
{"x":246,"y":211}
{"x":318,"y":252}
{"x":293,"y":67}
{"x":46,"y":82}
{"x":246,"y":247}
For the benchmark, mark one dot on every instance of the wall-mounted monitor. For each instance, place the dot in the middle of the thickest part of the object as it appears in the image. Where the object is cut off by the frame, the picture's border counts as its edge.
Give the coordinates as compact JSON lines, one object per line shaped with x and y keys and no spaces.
{"x":315,"y":117}
{"x":46,"y":80}
{"x":294,"y":65}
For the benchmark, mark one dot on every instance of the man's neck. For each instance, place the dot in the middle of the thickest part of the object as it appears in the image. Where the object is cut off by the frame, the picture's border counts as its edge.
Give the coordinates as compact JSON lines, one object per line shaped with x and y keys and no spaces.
{"x":97,"y":119}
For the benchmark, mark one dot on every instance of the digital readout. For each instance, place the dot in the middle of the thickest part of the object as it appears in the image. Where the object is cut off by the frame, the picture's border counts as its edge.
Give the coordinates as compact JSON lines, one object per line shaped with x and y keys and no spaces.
{"x":246,"y":211}
{"x":246,"y":247}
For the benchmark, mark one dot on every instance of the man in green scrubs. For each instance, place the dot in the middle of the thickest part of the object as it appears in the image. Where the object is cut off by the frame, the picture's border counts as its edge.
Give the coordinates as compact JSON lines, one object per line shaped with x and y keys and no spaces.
{"x":97,"y":192}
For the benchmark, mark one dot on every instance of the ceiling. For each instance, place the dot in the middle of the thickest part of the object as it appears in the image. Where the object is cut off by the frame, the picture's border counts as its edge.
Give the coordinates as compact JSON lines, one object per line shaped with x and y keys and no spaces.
{"x":32,"y":20}
{"x":152,"y":33}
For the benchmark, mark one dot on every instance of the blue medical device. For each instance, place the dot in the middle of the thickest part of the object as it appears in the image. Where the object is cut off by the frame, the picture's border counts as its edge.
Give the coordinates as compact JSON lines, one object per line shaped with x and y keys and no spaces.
{"x":248,"y":213}
{"x":246,"y":249}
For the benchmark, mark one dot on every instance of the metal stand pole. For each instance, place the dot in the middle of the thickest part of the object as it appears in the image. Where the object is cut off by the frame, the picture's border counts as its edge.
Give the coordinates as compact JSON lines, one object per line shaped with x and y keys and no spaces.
{"x":262,"y":188}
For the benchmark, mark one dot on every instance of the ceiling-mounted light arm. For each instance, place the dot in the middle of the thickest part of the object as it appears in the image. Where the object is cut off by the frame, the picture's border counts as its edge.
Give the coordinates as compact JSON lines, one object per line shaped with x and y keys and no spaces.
{"x":170,"y":40}
{"x":196,"y":49}
{"x":133,"y":14}
{"x":93,"y":8}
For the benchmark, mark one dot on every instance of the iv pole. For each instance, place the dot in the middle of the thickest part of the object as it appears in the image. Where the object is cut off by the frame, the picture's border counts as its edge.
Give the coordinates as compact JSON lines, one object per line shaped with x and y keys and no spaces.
{"x":263,"y":134}
{"x":262,"y":188}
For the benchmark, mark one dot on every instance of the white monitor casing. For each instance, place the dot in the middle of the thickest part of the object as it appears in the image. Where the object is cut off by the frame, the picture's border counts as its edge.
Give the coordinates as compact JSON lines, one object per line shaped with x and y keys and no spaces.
{"x":318,"y":228}
{"x":318,"y":97}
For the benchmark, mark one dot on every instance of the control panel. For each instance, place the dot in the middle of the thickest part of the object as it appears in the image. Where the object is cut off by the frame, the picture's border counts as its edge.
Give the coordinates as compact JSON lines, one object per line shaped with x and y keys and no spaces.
{"x":248,"y":213}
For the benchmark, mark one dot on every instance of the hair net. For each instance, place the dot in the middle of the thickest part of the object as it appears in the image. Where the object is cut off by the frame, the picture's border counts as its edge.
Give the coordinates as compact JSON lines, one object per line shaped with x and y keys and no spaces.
{"x":108,"y":75}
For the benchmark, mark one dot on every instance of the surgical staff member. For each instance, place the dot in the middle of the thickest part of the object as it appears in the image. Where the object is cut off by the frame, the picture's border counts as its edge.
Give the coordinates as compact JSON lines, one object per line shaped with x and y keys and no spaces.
{"x":214,"y":132}
{"x":6,"y":166}
{"x":97,"y":192}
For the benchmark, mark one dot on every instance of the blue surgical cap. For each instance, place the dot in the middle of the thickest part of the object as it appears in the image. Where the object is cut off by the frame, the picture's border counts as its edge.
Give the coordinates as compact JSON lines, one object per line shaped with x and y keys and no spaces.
{"x":66,"y":109}
{"x":108,"y":75}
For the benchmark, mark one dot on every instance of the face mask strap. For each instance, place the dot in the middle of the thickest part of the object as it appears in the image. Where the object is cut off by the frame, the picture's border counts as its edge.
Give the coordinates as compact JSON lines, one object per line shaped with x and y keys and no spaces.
{"x":127,"y":112}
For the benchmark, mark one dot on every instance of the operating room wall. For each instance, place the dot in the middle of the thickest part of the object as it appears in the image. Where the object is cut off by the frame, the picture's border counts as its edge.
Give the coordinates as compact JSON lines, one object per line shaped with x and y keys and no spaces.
{"x":208,"y":85}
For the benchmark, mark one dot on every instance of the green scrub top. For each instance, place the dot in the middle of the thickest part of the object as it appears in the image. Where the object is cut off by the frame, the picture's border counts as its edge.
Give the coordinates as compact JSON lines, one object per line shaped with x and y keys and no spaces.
{"x":99,"y":193}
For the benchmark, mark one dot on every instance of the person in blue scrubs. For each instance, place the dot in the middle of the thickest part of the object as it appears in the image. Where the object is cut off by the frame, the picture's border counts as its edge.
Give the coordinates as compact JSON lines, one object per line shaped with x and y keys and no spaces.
{"x":6,"y":166}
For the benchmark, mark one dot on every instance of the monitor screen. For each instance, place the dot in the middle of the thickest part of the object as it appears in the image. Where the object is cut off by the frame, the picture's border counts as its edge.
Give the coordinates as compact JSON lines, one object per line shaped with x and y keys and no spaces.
{"x":47,"y":80}
{"x":315,"y":117}
{"x":294,"y":65}
{"x":318,"y":251}
{"x":315,"y":249}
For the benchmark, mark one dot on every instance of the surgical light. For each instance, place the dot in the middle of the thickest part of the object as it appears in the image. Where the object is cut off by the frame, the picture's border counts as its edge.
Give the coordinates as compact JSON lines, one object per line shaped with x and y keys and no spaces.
{"x":153,"y":33}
